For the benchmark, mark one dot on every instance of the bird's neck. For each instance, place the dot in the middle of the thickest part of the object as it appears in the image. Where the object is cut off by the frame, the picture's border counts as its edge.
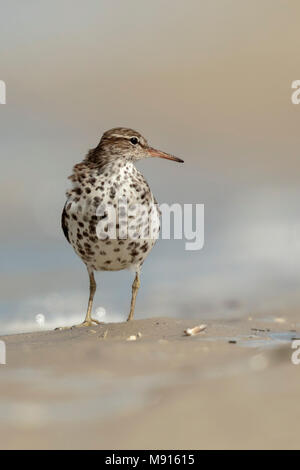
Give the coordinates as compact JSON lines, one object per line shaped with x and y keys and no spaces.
{"x":98,"y":158}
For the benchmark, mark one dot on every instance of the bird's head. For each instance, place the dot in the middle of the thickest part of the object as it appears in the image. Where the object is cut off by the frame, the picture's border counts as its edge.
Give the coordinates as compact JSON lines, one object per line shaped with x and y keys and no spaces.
{"x":128,"y":144}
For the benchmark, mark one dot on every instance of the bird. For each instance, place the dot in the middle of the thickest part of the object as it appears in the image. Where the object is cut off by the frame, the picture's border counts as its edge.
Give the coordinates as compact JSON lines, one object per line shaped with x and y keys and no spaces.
{"x":107,"y":182}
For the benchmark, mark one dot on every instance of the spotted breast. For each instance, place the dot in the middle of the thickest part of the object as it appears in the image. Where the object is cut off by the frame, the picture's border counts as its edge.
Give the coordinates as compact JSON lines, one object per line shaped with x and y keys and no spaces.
{"x":111,"y":217}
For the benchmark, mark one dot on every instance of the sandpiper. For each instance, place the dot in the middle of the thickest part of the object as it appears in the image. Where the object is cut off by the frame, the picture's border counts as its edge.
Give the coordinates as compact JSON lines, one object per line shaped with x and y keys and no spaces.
{"x":107,"y":179}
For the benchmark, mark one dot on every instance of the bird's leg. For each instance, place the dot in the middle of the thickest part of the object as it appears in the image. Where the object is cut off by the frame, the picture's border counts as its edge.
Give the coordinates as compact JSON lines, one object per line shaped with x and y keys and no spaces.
{"x":135,"y":287}
{"x":89,"y":321}
{"x":88,"y":318}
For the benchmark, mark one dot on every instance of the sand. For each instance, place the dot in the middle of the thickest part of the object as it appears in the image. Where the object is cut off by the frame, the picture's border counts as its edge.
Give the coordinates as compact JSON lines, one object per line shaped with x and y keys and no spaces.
{"x":230,"y":387}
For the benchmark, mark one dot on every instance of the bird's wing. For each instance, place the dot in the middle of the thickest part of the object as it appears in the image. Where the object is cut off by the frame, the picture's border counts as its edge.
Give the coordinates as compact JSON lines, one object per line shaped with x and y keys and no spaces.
{"x":64,"y":223}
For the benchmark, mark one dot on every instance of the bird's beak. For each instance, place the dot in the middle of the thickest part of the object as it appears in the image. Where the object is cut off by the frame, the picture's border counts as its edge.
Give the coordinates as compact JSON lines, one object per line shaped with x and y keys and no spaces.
{"x":158,"y":153}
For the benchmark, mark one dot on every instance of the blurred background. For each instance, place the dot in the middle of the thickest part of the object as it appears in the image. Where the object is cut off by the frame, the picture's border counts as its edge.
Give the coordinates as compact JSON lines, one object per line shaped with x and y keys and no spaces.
{"x":208,"y":81}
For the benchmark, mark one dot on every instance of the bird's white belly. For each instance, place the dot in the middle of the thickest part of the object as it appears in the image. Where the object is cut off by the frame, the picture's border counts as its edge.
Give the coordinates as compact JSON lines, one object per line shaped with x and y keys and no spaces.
{"x":105,"y":251}
{"x":106,"y":234}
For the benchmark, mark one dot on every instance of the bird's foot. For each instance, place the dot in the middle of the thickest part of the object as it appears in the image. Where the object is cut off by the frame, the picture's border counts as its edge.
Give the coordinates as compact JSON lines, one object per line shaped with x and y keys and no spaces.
{"x":90,"y":322}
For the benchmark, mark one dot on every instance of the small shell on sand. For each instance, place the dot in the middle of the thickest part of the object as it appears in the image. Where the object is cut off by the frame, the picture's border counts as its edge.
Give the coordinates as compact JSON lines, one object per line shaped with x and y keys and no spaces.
{"x":195,"y":331}
{"x":131,"y":338}
{"x":104,"y":334}
{"x":134,"y":337}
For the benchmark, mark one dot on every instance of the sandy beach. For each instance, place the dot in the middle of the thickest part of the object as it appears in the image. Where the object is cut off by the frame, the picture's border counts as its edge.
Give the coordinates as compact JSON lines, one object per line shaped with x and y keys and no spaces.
{"x":92,"y":94}
{"x":232,"y":386}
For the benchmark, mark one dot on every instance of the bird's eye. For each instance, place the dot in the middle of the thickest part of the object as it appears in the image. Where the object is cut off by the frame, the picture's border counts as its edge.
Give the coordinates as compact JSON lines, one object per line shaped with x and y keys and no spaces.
{"x":134,"y":140}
